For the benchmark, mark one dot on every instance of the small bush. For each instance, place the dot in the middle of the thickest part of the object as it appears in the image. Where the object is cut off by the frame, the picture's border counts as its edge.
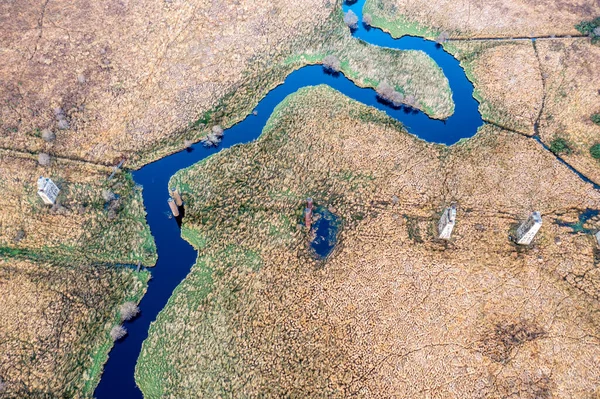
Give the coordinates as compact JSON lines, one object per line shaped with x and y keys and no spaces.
{"x":43,"y":159}
{"x":108,"y":195}
{"x":331,"y":63}
{"x":590,"y":28}
{"x":595,"y":118}
{"x":387,"y":93}
{"x":367,"y":19}
{"x":118,"y":332}
{"x":560,"y":146}
{"x":442,"y":38}
{"x":595,"y":151}
{"x":63,"y":124}
{"x":351,"y":20}
{"x":129,"y":310}
{"x":48,"y":135}
{"x":217,"y":130}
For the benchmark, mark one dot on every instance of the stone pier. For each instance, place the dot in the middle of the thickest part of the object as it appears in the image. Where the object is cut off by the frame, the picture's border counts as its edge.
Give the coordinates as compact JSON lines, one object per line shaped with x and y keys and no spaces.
{"x":446,"y":223}
{"x":529,"y":228}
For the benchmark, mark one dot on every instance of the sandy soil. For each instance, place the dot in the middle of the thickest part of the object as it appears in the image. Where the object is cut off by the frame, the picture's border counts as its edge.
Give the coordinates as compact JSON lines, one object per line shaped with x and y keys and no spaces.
{"x":393,"y":312}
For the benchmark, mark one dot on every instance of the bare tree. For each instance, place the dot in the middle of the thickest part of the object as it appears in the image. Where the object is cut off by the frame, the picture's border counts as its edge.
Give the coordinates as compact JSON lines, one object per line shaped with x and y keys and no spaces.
{"x":118,"y":332}
{"x":387,"y":93}
{"x":43,"y":159}
{"x":217,"y":130}
{"x":63,"y":124}
{"x":48,"y":135}
{"x":442,"y":38}
{"x":351,"y":20}
{"x":596,"y":31}
{"x":214,"y":137}
{"x":367,"y":19}
{"x":410,"y":100}
{"x":3,"y":385}
{"x":129,"y":310}
{"x":187,"y":143}
{"x":332,"y":63}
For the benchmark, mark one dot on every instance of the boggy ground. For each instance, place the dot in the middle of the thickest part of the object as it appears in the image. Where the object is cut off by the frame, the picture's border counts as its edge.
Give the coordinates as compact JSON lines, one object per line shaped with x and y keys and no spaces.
{"x":552,"y":83}
{"x":393,"y":312}
{"x":136,"y":79}
{"x":84,"y":225}
{"x":56,"y":319}
{"x":476,"y":19}
{"x":60,"y":290}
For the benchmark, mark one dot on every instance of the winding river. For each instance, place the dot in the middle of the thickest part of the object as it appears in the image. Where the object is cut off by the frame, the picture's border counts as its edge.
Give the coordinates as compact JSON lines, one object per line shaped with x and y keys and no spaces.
{"x":176,"y":256}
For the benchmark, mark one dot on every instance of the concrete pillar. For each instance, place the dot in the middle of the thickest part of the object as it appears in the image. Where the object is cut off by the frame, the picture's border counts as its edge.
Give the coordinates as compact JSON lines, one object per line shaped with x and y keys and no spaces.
{"x":529,"y":228}
{"x":446,"y":223}
{"x":177,"y":197}
{"x":173,"y":207}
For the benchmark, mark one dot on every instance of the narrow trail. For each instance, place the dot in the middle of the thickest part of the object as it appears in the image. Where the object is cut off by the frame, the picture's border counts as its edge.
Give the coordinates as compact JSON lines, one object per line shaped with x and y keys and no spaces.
{"x":176,"y":256}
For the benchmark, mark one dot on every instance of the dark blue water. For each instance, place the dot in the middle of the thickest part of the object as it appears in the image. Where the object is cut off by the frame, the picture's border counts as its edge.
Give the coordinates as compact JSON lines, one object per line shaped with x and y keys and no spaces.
{"x":176,"y":256}
{"x":583,"y":218}
{"x":326,"y":228}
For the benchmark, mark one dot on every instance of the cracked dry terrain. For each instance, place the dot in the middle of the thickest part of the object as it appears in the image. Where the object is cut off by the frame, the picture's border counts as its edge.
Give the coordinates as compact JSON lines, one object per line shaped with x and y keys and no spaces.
{"x":393,"y":312}
{"x":554,"y":83}
{"x":132,"y":80}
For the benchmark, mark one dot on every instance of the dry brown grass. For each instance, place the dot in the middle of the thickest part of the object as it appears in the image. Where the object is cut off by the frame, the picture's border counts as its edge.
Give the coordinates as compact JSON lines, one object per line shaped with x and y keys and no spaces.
{"x":507,"y":80}
{"x":79,"y":228}
{"x":472,"y":19}
{"x":55,"y":322}
{"x":148,"y":69}
{"x":393,"y":312}
{"x":572,"y":91}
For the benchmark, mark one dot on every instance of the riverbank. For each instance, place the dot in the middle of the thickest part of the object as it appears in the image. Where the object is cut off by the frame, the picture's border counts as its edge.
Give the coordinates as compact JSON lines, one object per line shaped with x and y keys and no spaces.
{"x":226,"y":329}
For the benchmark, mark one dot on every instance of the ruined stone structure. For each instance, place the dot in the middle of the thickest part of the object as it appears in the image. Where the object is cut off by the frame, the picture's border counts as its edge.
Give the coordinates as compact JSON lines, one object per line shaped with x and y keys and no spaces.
{"x":47,"y":190}
{"x":308,"y":212}
{"x":177,"y":197}
{"x":446,"y":223}
{"x":529,"y":229}
{"x":173,"y":207}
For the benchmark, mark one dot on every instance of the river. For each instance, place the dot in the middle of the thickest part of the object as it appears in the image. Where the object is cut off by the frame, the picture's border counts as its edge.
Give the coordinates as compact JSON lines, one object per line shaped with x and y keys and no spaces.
{"x":176,"y":256}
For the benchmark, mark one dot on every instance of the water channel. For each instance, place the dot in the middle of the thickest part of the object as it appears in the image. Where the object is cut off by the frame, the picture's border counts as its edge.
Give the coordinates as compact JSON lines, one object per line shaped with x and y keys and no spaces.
{"x":176,"y":256}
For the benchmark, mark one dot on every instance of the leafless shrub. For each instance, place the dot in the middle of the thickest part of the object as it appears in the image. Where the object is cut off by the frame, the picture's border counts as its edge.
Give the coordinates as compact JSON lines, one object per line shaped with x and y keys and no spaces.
{"x":499,"y":342}
{"x":596,"y":31}
{"x":48,"y":135}
{"x":129,"y":310}
{"x":367,"y":19}
{"x":351,"y":20}
{"x":217,"y":130}
{"x":63,"y":124}
{"x":3,"y":385}
{"x":442,"y":38}
{"x":331,"y":63}
{"x":387,"y":93}
{"x":118,"y":332}
{"x":108,"y":195}
{"x":410,"y":100}
{"x":19,"y":236}
{"x":43,"y":159}
{"x":214,"y":137}
{"x":81,"y":78}
{"x":187,"y":143}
